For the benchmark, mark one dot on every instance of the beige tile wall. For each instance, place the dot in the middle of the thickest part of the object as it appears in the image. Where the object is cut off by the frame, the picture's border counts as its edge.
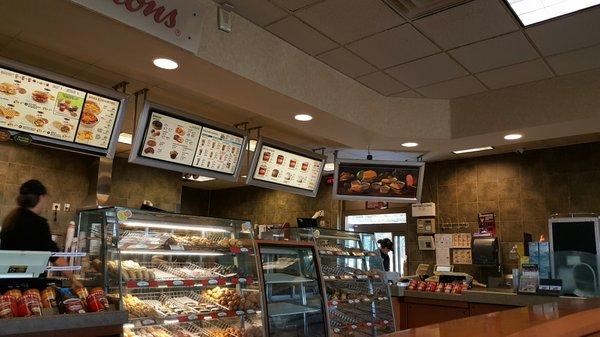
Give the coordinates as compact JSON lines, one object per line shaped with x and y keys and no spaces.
{"x":65,"y":175}
{"x":263,"y":206}
{"x":522,"y":190}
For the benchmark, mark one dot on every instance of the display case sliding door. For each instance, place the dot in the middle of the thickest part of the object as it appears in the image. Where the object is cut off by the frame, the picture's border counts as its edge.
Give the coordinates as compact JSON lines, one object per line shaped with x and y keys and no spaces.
{"x":293,"y":290}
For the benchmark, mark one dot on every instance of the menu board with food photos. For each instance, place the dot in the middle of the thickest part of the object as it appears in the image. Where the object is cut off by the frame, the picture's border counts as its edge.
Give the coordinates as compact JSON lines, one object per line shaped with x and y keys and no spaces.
{"x":172,"y":140}
{"x":378,"y":180}
{"x":218,"y":151}
{"x":279,"y":166}
{"x":48,"y":109}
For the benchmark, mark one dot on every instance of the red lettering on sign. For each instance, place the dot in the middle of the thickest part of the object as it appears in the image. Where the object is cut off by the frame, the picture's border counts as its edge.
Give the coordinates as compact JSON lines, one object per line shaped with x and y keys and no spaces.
{"x":149,"y":7}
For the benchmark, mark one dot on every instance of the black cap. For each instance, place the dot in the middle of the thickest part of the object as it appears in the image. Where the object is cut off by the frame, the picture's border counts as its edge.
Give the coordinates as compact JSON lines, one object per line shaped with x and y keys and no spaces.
{"x":33,"y":187}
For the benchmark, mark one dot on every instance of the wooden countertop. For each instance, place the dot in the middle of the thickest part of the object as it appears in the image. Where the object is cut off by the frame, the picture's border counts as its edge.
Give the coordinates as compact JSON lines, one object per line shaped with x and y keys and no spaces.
{"x":546,"y":320}
{"x":488,"y":296}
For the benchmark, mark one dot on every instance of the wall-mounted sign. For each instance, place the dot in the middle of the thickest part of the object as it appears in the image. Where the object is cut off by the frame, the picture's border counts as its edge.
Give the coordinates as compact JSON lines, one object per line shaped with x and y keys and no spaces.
{"x":378,"y":180}
{"x":175,"y":21}
{"x":59,"y":111}
{"x":284,"y":167}
{"x":172,"y":140}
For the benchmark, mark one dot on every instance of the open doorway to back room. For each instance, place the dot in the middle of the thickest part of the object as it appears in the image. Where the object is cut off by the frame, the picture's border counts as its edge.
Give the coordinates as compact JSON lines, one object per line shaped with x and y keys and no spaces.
{"x":390,"y":226}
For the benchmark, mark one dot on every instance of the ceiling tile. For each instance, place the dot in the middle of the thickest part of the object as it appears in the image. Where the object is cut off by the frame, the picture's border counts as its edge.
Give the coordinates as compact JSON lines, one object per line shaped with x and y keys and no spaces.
{"x":346,"y":62}
{"x":567,"y":33}
{"x":408,"y":94}
{"x":432,"y":69}
{"x":516,"y":74}
{"x":467,"y":23}
{"x":301,"y":35}
{"x":293,"y":5}
{"x":382,"y":83}
{"x":454,"y":88}
{"x":349,"y":20}
{"x":495,"y":53}
{"x":579,"y":60}
{"x":261,"y":12}
{"x":394,"y":46}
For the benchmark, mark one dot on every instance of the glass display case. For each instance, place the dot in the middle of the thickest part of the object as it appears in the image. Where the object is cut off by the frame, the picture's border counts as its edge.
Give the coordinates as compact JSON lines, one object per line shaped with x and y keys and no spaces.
{"x":176,"y":275}
{"x":293,"y":290}
{"x":358,"y":299}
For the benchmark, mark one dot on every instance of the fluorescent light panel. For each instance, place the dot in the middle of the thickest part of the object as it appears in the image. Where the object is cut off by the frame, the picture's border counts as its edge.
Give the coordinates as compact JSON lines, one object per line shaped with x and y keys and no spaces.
{"x":534,"y":11}
{"x":477,"y":149}
{"x":166,"y":225}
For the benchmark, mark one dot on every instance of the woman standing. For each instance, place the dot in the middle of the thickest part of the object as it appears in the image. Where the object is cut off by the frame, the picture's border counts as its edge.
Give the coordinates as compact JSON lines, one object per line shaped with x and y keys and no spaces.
{"x":25,"y":229}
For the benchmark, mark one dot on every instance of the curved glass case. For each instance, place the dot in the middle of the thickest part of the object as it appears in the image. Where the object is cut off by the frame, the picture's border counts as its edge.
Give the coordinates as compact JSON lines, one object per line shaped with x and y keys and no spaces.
{"x":178,"y":275}
{"x":293,"y":290}
{"x":358,"y":299}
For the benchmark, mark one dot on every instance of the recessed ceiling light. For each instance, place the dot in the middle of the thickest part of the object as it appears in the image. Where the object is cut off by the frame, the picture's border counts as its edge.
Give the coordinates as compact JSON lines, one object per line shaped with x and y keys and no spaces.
{"x":410,"y":144}
{"x":513,"y":136}
{"x":244,"y":176}
{"x":329,"y":167}
{"x":164,"y":63}
{"x":476,"y":149}
{"x":303,"y":117}
{"x":125,"y":138}
{"x":534,"y":11}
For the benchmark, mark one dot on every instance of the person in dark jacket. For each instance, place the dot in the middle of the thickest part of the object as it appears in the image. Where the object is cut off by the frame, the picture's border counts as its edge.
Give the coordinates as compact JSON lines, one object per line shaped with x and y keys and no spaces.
{"x":25,"y":229}
{"x":385,"y":246}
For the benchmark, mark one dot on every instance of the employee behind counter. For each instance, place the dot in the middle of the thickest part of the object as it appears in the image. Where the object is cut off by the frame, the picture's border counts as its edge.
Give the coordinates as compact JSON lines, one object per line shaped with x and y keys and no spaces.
{"x":25,"y":229}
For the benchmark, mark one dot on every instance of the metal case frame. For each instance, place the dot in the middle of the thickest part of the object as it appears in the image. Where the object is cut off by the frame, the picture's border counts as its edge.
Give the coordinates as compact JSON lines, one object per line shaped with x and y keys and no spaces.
{"x":136,"y":158}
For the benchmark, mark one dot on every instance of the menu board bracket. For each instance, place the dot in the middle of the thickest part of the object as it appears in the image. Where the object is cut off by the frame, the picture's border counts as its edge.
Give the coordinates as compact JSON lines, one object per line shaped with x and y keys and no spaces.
{"x":59,"y":111}
{"x":378,"y":180}
{"x":287,"y":168}
{"x":171,"y":139}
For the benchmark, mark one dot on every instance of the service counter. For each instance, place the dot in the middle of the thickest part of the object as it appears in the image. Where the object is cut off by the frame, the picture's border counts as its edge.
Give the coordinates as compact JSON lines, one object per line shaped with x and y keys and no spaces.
{"x":414,"y":309}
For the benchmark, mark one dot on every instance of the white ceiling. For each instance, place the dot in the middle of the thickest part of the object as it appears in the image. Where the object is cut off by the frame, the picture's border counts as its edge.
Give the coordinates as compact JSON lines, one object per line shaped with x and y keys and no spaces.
{"x":431,"y":48}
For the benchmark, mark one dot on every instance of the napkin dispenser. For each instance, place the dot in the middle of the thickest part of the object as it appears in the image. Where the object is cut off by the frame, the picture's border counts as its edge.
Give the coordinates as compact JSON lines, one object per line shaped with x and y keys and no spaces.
{"x":485,"y":251}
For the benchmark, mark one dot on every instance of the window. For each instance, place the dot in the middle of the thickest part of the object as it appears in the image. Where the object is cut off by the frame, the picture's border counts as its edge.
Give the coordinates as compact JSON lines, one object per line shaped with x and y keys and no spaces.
{"x":375,"y":219}
{"x":534,"y":11}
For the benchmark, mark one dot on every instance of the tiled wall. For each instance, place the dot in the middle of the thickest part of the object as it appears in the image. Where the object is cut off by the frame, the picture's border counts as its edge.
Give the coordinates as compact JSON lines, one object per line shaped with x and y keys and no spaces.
{"x":65,"y":175}
{"x":263,"y":206}
{"x":521,"y":189}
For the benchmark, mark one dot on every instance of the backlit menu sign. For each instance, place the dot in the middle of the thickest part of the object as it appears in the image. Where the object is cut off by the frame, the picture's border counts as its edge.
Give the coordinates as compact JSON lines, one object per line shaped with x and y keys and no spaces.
{"x":59,"y":111}
{"x":283,"y":167}
{"x":373,"y":180}
{"x":172,"y":140}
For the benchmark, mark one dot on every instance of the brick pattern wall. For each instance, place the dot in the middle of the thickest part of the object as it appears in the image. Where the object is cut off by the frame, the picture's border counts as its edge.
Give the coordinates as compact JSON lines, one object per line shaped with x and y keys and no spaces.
{"x":522,"y":190}
{"x":65,"y":175}
{"x":264,"y":206}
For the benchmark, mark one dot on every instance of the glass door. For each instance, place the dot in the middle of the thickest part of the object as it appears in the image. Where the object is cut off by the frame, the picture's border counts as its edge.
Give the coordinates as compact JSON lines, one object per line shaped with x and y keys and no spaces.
{"x":292,"y":289}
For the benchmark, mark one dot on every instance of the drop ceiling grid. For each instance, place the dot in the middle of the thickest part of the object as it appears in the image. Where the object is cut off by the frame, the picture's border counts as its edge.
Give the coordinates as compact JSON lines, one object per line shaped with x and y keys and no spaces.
{"x":514,"y":27}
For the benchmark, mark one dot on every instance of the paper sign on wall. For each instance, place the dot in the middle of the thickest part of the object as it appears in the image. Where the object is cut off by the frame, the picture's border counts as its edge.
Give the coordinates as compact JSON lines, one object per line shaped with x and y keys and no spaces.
{"x":443,"y":242}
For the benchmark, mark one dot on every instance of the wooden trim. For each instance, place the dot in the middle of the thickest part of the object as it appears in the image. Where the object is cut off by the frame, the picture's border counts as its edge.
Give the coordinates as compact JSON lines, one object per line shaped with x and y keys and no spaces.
{"x":440,"y":303}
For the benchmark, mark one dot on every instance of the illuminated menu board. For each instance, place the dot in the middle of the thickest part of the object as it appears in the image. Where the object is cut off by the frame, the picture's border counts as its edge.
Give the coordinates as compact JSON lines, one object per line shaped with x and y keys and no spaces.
{"x":178,"y":142}
{"x":56,"y":111}
{"x":279,"y":166}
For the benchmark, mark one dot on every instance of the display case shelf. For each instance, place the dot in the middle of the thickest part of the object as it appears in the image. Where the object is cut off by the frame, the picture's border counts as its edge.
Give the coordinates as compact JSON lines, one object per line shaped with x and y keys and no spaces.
{"x":274,"y":278}
{"x":286,"y":309}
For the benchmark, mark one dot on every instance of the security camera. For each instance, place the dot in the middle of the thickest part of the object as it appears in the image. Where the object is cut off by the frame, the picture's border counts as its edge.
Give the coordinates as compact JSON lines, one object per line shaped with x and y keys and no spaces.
{"x":520,"y":150}
{"x":369,"y":157}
